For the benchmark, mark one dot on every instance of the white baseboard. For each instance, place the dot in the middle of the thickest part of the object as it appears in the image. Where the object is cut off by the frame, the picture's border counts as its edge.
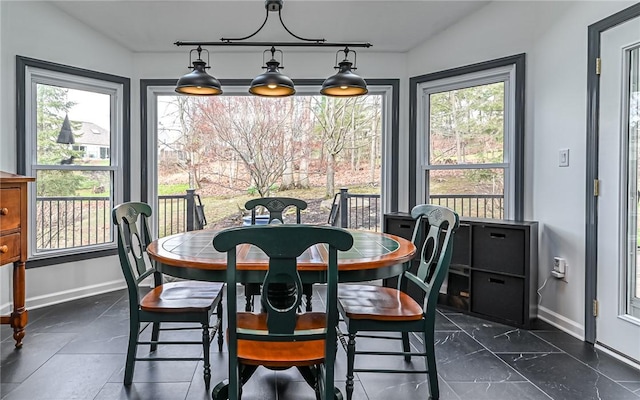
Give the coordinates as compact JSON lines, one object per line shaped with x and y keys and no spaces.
{"x":561,"y":322}
{"x":67,"y":295}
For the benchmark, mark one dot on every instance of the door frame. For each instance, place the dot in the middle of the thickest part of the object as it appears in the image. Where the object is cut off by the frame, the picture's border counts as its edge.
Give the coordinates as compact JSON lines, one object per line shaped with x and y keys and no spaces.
{"x":593,"y":132}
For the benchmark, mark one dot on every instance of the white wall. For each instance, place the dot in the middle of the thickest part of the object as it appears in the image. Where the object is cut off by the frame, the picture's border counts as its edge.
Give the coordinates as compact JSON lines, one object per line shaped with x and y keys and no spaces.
{"x":554,"y":37}
{"x":38,"y":30}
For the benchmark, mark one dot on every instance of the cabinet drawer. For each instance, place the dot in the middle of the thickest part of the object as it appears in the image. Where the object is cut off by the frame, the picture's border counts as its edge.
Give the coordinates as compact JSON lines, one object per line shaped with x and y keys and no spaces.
{"x":9,"y":248}
{"x":498,"y":249}
{"x":9,"y":209}
{"x":400,"y":227}
{"x":498,"y":296}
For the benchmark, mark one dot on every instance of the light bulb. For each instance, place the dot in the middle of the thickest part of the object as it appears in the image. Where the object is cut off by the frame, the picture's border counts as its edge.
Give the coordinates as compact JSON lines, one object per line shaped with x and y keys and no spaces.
{"x":343,"y":87}
{"x":272,"y":86}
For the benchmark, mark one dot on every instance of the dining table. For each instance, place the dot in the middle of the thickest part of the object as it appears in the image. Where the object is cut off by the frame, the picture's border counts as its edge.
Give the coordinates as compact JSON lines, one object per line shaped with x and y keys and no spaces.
{"x":191,"y":255}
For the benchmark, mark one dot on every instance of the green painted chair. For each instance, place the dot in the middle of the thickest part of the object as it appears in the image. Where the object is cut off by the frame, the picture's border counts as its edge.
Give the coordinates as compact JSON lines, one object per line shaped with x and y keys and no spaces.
{"x":369,"y":308}
{"x":275,"y":206}
{"x":280,"y":337}
{"x":183,"y":301}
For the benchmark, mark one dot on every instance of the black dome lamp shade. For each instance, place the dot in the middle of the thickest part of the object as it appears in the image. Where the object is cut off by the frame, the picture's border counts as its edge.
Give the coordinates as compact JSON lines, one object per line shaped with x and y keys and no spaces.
{"x":344,"y":83}
{"x":272,"y":83}
{"x":198,"y":82}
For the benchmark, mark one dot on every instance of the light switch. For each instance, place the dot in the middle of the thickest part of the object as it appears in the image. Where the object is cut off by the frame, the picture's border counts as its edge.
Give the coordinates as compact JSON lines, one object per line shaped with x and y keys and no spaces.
{"x":564,"y":158}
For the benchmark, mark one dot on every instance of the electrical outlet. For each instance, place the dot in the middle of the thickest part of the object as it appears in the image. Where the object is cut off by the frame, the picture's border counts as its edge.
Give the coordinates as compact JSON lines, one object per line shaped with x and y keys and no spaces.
{"x":559,"y":268}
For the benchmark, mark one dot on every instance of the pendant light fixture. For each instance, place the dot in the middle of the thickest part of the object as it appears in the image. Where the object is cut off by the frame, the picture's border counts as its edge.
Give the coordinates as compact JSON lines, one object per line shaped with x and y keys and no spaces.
{"x":345,"y":83}
{"x":272,"y":83}
{"x":198,"y":82}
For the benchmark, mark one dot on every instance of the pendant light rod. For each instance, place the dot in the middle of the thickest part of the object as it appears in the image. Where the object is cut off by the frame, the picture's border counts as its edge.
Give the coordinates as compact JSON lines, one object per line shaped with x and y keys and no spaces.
{"x":276,"y":44}
{"x":272,"y":6}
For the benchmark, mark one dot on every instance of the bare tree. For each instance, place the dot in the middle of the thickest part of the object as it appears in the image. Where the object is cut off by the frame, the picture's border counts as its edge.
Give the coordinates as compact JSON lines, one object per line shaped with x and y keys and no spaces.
{"x":253,"y":130}
{"x":341,"y":122}
{"x":304,"y":133}
{"x":182,"y":135}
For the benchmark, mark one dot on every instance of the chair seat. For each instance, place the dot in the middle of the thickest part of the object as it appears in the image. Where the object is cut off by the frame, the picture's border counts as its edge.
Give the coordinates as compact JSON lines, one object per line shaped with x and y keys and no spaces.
{"x":281,"y":354}
{"x":180,"y":297}
{"x":378,"y":303}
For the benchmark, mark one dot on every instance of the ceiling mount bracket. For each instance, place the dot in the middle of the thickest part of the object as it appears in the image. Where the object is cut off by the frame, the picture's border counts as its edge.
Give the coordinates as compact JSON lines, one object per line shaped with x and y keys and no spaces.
{"x":273,"y":5}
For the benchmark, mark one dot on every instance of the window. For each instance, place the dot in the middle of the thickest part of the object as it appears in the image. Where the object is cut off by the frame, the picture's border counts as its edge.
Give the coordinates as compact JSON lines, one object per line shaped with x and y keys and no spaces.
{"x":468,"y":136}
{"x":210,"y":155}
{"x":73,"y":126}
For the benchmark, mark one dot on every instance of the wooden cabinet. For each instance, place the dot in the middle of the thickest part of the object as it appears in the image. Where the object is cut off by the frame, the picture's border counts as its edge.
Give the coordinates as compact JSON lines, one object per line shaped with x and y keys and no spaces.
{"x":493,"y":271}
{"x":13,"y":245}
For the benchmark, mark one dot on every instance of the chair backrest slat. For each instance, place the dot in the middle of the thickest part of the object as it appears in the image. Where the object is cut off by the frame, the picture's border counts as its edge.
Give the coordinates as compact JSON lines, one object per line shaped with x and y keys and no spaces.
{"x":439,"y":224}
{"x":275,"y":206}
{"x":283,"y":244}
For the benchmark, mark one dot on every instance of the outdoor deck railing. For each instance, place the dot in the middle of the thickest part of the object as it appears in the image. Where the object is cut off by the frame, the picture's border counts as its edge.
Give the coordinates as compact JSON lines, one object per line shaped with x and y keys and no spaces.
{"x":362,"y":211}
{"x":180,"y":213}
{"x":66,"y":222}
{"x":472,"y":205}
{"x":355,"y":211}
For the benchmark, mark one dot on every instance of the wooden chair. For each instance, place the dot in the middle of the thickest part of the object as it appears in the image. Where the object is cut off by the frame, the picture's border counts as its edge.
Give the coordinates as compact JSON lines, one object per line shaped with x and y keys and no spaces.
{"x":275,"y":206}
{"x":183,"y":301}
{"x":280,"y":337}
{"x":382,"y":309}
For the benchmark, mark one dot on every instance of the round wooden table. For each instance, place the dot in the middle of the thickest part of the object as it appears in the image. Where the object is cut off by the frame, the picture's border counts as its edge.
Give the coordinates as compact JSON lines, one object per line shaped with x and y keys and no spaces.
{"x":191,"y":255}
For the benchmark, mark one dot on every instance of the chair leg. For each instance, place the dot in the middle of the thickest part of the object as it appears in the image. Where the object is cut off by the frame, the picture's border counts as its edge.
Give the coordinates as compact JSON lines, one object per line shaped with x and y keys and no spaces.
{"x":429,"y":348}
{"x":406,"y":346}
{"x":307,"y":290}
{"x":250,"y":290}
{"x":351,"y":356}
{"x":155,"y":334}
{"x":219,"y":324}
{"x":206,"y":341}
{"x":134,"y":332}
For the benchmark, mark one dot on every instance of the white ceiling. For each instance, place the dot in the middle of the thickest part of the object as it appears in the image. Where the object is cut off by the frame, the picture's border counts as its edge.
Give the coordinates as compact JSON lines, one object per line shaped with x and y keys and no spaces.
{"x":153,"y":26}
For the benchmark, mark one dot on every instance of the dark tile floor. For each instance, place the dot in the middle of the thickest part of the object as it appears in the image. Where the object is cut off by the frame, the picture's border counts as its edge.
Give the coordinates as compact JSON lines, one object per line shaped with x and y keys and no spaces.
{"x":76,"y":350}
